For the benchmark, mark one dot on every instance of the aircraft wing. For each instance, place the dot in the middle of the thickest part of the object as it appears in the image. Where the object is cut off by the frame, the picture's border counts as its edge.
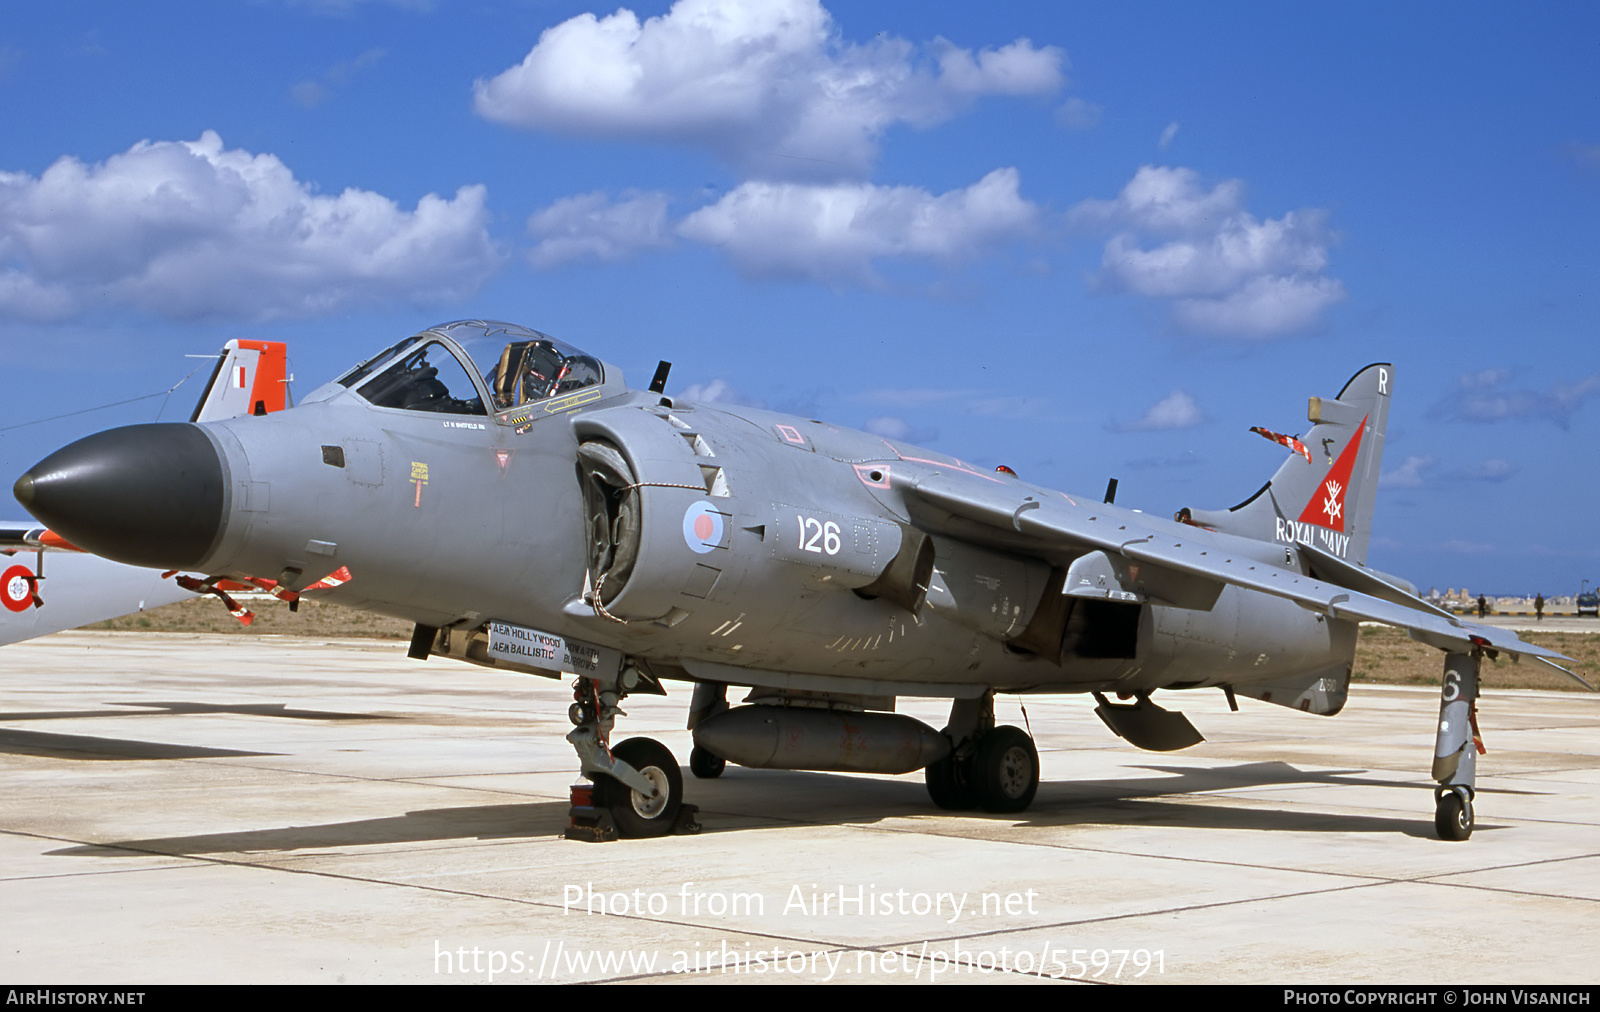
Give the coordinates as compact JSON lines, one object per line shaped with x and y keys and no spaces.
{"x":74,"y":590}
{"x":1176,"y":564}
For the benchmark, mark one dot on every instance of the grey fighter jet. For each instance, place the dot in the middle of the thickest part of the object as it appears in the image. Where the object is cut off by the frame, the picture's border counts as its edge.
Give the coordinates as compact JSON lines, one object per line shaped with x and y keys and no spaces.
{"x":513,"y":498}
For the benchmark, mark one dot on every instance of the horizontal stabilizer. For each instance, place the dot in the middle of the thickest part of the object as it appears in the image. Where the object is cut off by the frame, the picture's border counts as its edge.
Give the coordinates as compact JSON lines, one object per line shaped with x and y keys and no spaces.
{"x":1332,"y":569}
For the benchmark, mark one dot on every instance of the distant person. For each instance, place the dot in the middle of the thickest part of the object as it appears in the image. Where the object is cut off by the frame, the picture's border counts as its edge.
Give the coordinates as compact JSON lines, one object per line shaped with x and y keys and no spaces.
{"x":1538,"y":607}
{"x":1483,"y":606}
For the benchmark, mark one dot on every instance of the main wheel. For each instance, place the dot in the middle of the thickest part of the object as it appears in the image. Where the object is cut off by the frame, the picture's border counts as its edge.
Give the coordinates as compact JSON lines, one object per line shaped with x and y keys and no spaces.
{"x":947,"y":785}
{"x":1453,"y":817}
{"x":705,"y":764}
{"x":639,"y":814}
{"x":1005,"y":770}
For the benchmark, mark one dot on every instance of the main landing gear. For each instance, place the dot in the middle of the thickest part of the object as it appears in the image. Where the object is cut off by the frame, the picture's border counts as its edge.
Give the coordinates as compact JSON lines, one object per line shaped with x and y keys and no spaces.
{"x":995,"y":769}
{"x":1457,"y":747}
{"x":638,"y":788}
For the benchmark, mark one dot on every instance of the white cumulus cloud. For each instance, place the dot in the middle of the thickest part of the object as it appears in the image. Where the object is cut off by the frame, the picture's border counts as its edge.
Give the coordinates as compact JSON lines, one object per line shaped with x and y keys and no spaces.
{"x":1177,"y":410}
{"x":1226,"y":272}
{"x":717,"y":391}
{"x":1408,"y":475}
{"x":1079,"y":114}
{"x":834,"y":233}
{"x":1493,"y":469}
{"x":1486,"y":397}
{"x":191,"y":229}
{"x":770,"y":87}
{"x":592,"y":227}
{"x":901,"y":431}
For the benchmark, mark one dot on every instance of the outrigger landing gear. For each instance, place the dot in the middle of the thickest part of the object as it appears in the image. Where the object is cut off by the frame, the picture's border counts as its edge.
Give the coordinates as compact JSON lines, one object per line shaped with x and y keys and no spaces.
{"x":638,"y":788}
{"x":1456,"y":750}
{"x":992,"y":768}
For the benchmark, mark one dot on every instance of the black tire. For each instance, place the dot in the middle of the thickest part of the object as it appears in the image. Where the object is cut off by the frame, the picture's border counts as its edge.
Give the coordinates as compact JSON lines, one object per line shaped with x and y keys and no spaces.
{"x":1453,"y":817}
{"x":1005,"y":770}
{"x":635,"y":814}
{"x":705,"y":764}
{"x":948,"y":787}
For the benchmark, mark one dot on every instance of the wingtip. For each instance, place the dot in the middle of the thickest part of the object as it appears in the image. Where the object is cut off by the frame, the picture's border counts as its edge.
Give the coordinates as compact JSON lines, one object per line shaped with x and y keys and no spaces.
{"x":1570,"y":674}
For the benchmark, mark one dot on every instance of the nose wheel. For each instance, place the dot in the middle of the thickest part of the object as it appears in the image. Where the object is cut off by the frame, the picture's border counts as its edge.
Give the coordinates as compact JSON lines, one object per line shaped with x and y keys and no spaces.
{"x":637,"y":813}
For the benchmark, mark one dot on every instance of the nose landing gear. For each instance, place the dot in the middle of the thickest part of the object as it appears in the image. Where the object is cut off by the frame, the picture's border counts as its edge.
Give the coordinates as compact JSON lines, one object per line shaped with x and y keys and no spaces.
{"x":638,"y":788}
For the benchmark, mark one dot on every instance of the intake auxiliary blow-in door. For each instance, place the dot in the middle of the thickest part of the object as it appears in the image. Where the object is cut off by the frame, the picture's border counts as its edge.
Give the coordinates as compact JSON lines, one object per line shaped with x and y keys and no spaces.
{"x":611,"y":518}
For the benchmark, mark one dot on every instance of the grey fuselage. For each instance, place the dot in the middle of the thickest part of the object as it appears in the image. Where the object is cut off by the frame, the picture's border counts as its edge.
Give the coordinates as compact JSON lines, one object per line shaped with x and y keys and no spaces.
{"x":760,"y":540}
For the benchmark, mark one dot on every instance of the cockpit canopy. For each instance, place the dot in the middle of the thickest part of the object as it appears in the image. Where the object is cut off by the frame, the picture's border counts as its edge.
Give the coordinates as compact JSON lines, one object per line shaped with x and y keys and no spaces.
{"x":515,"y":366}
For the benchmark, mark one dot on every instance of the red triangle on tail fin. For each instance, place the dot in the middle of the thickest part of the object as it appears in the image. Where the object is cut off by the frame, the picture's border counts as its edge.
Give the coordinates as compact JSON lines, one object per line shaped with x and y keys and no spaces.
{"x":1326,"y":508}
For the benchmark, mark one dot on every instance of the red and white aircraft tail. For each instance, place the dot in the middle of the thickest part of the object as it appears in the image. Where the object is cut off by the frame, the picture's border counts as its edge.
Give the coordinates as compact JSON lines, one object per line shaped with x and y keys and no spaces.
{"x":1323,"y":494}
{"x":251,"y":378}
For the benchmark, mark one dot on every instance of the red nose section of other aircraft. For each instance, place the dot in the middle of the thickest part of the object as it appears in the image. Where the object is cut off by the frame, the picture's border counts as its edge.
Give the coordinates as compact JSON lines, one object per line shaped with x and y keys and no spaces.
{"x":146,"y":495}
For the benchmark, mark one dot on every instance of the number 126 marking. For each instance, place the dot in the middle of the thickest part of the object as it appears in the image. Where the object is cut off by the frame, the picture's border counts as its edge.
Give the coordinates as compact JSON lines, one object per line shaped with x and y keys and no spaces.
{"x":825,"y":533}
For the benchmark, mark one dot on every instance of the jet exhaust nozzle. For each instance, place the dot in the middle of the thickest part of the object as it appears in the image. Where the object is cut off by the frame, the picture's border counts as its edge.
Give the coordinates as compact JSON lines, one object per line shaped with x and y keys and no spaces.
{"x":146,"y":495}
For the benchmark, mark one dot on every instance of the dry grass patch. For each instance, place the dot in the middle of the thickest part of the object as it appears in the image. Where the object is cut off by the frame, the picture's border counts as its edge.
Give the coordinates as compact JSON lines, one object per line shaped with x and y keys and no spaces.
{"x":1388,"y":656}
{"x":273,"y":617}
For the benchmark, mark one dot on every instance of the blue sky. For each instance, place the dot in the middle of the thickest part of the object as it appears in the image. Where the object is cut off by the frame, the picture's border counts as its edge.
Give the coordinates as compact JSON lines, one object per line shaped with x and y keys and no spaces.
{"x":1085,"y":240}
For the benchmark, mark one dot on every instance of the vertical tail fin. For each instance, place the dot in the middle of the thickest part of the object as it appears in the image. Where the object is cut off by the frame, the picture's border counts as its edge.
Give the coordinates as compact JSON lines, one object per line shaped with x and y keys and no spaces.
{"x":1327,"y":502}
{"x":251,"y":378}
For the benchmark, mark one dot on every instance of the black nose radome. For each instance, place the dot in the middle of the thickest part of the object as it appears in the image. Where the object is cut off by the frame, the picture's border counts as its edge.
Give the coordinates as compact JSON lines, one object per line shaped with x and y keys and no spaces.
{"x":147,"y":495}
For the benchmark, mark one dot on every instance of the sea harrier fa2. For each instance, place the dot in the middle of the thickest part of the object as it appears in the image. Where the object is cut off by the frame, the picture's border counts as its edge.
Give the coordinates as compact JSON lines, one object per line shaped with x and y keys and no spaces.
{"x":513,"y":498}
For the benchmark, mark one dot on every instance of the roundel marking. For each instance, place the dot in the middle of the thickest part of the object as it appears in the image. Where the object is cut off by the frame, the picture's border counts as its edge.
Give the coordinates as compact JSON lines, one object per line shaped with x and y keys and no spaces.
{"x":702,"y":527}
{"x":16,"y":588}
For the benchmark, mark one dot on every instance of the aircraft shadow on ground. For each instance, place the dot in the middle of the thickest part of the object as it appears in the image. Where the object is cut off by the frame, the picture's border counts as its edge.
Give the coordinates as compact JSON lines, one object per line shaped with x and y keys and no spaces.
{"x":826,"y":799}
{"x":53,"y":745}
{"x":743,"y":799}
{"x":169,"y":709}
{"x":48,"y":745}
{"x":433,"y":825}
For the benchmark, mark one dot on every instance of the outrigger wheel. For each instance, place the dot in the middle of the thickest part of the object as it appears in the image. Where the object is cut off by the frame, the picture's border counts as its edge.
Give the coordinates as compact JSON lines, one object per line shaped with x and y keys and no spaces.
{"x":1452,"y":816}
{"x":636,"y":814}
